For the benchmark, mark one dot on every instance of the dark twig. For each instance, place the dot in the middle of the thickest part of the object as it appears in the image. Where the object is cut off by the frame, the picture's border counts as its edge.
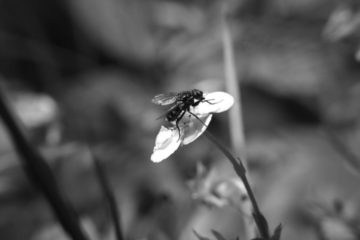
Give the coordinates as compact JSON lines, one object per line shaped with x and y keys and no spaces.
{"x":241,"y":172}
{"x":40,"y":174}
{"x":109,"y":197}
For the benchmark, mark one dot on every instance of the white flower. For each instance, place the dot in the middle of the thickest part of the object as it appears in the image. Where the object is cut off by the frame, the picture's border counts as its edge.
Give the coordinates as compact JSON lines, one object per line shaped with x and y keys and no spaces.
{"x":191,"y":125}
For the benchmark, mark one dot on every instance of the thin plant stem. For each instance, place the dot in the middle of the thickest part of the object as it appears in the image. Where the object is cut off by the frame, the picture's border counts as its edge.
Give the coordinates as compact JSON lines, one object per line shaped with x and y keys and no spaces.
{"x":39,"y":172}
{"x":241,"y":172}
{"x":236,"y":124}
{"x":109,"y":197}
{"x":232,"y":86}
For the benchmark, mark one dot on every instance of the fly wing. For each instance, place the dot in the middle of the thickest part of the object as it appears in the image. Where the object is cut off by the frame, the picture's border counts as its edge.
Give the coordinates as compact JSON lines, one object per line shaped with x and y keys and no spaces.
{"x":165,"y":98}
{"x":165,"y":114}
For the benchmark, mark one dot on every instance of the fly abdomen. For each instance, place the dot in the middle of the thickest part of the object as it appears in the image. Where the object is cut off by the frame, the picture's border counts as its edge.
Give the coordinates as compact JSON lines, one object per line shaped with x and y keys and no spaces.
{"x":174,"y":113}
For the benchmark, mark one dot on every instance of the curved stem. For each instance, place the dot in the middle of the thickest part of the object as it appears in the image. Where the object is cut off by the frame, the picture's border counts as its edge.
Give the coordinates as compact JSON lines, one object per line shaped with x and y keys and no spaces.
{"x":241,"y":172}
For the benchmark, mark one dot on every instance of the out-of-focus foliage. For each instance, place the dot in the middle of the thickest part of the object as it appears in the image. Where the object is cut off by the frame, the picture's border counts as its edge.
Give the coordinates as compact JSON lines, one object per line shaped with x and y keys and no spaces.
{"x":81,"y":75}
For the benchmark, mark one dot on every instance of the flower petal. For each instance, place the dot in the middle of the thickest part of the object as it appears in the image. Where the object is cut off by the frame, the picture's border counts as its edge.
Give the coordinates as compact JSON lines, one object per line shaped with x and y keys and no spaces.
{"x":215,"y":102}
{"x":195,"y":127}
{"x":166,"y":143}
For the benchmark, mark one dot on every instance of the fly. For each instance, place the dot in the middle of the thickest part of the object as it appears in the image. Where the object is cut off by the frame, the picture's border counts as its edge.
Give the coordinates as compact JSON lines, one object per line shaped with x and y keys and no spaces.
{"x":182,"y":101}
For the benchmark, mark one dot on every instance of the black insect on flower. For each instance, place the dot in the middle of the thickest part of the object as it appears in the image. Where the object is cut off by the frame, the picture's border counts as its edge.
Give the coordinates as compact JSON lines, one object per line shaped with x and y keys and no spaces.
{"x":182,"y":102}
{"x":185,"y":128}
{"x":183,"y":96}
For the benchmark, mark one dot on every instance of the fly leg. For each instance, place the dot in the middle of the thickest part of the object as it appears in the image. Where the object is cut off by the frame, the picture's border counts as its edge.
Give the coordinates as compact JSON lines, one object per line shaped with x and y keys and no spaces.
{"x":208,"y":101}
{"x":203,"y":100}
{"x":177,"y":122}
{"x":198,"y":119}
{"x":198,"y":102}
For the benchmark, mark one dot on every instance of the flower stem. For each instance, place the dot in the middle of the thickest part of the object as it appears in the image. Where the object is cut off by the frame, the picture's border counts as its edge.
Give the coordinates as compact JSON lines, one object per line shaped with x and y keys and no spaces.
{"x":241,"y":172}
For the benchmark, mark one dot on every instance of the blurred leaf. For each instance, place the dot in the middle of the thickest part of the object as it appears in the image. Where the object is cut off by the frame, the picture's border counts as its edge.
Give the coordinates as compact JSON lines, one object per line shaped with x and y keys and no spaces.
{"x":55,"y":232}
{"x":335,"y":228}
{"x":350,"y":159}
{"x":218,"y":235}
{"x":121,"y":27}
{"x":277,"y":233}
{"x":35,"y":110}
{"x":199,"y":236}
{"x":172,"y":15}
{"x":342,"y":22}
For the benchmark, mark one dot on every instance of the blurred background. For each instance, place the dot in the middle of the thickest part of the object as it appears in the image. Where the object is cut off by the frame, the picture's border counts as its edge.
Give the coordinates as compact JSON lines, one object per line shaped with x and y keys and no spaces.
{"x":80,"y":75}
